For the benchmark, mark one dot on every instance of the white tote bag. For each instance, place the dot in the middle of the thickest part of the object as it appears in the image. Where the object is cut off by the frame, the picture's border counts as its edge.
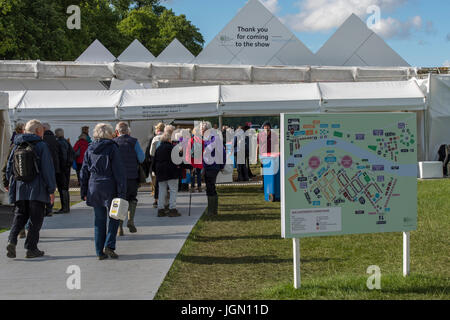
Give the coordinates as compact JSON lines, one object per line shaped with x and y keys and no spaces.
{"x":119,"y":209}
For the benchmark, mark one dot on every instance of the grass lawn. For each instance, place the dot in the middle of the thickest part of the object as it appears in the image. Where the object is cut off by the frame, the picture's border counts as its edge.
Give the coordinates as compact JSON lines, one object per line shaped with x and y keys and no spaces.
{"x":240,"y":255}
{"x":3,"y":230}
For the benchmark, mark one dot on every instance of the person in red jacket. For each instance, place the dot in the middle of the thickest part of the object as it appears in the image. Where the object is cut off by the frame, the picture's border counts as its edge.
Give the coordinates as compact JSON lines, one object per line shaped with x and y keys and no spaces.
{"x":194,"y":156}
{"x":80,"y":149}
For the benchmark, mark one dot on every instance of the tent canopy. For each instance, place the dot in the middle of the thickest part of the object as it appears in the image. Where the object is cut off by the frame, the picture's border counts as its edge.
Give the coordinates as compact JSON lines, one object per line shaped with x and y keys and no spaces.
{"x":372,"y":96}
{"x":269,"y":99}
{"x":191,"y":102}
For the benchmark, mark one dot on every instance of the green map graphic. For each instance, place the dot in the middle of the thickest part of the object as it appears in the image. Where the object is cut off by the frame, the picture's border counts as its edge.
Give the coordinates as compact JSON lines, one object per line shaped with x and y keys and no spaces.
{"x":348,"y":173}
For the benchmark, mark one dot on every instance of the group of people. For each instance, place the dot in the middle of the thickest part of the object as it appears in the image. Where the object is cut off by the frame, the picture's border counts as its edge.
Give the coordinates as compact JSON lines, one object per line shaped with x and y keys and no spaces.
{"x":199,"y":150}
{"x":110,"y":166}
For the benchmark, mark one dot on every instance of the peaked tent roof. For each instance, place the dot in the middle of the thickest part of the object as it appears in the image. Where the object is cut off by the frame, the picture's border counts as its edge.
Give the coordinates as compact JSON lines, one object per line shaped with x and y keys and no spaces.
{"x":136,"y":52}
{"x":272,"y":43}
{"x":175,"y":52}
{"x":96,"y":53}
{"x":354,"y":44}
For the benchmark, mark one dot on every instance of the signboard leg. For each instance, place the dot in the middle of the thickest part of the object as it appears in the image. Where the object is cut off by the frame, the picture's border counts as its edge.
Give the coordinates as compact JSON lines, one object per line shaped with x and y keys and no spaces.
{"x":297,"y":280}
{"x":406,"y":253}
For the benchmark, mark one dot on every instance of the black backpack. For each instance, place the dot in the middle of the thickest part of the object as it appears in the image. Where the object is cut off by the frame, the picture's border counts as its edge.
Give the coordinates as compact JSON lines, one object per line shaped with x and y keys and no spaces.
{"x":25,"y":162}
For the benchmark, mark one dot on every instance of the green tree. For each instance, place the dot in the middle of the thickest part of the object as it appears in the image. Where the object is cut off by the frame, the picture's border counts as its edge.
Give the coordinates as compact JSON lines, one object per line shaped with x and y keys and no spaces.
{"x":36,"y":29}
{"x":172,"y":26}
{"x":98,"y":21}
{"x":156,"y":32}
{"x":32,"y":30}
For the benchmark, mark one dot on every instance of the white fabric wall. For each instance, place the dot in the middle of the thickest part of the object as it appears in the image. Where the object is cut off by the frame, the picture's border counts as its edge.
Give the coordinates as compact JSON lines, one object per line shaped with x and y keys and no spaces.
{"x":438,"y":114}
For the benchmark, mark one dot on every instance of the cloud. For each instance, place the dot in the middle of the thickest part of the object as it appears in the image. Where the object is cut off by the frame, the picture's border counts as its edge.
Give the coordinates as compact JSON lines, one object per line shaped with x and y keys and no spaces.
{"x":324,"y":15}
{"x":393,"y":28}
{"x":272,"y":5}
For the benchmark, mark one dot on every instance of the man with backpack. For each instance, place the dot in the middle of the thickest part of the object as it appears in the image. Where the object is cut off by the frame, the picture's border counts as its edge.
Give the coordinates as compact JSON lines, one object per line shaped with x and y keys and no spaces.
{"x":63,"y":178}
{"x":32,"y":184}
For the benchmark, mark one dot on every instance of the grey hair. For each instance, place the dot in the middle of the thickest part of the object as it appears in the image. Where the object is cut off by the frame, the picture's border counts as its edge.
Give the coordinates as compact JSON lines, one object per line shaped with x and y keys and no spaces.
{"x":169,"y":129}
{"x":32,"y":126}
{"x":166,"y":137}
{"x":46,"y":126}
{"x":205,"y":125}
{"x":103,"y":131}
{"x":59,"y":132}
{"x":123,"y":128}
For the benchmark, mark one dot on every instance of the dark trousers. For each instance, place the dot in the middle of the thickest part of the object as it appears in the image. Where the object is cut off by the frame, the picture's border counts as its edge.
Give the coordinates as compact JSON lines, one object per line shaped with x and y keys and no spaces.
{"x":156,"y":188}
{"x":247,"y":164}
{"x":34,"y":211}
{"x":62,"y":180}
{"x":210,"y":180}
{"x":196,"y":173}
{"x":132,"y":190}
{"x":103,"y":237}
{"x":79,"y":165}
{"x":241,"y":169}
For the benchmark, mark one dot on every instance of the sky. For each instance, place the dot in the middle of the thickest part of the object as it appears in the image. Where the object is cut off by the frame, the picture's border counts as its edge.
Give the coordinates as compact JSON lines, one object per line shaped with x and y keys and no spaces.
{"x":418,"y":30}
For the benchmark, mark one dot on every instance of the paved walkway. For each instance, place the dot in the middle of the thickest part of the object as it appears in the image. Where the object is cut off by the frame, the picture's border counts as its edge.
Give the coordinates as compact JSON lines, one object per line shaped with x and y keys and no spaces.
{"x":145,"y":257}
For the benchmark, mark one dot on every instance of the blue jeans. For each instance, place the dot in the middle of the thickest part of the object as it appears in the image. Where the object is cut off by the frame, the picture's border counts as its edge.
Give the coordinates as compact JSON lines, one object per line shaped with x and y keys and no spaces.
{"x":196,"y":172}
{"x":104,"y":238}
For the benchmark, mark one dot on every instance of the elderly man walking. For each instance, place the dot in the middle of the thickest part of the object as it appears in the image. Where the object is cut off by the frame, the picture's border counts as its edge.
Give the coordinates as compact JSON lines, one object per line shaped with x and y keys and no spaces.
{"x":132,"y":154}
{"x":63,"y":178}
{"x":159,"y":130}
{"x":32,"y":185}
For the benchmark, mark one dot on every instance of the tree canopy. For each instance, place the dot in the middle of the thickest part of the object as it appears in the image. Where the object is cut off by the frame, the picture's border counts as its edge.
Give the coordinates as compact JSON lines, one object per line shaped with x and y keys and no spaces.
{"x":37,"y":29}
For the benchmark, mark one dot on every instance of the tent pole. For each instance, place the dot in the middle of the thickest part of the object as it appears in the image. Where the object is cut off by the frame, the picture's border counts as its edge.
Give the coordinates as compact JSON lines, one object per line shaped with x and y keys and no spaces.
{"x":426,"y":115}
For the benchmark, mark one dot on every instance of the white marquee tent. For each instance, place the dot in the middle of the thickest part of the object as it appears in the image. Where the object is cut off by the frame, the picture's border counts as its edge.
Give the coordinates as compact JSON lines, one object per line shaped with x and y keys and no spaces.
{"x":222,"y":100}
{"x":96,"y":52}
{"x":205,"y":101}
{"x":256,"y":36}
{"x":354,"y":44}
{"x":430,"y":101}
{"x":175,"y":52}
{"x":438,"y":114}
{"x":136,"y":52}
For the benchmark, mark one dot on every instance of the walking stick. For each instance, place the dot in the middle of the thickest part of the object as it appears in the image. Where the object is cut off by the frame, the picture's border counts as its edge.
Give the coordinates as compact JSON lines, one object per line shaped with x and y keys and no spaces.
{"x":190,"y":199}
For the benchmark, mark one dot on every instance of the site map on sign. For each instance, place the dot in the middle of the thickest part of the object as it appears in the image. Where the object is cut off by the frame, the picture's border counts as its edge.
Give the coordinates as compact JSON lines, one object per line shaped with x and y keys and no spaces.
{"x":349,"y":173}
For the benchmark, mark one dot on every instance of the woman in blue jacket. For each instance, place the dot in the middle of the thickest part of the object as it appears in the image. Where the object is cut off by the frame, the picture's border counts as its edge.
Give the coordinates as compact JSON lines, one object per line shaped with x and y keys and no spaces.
{"x":103,"y":179}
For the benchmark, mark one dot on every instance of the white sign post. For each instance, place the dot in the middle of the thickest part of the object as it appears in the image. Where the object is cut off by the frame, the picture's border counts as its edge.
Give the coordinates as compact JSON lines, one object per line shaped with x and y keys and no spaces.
{"x":406,"y":269}
{"x":297,"y":279}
